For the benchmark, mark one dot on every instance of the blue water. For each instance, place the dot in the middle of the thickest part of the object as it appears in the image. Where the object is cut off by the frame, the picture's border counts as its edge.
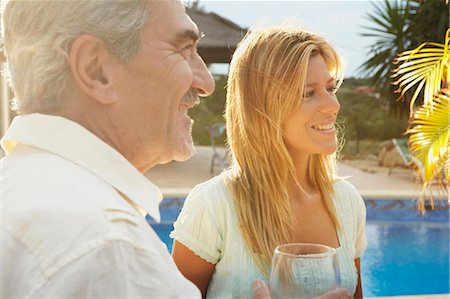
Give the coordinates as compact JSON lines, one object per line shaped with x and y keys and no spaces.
{"x":408,"y":254}
{"x":163,"y":231}
{"x":406,"y":258}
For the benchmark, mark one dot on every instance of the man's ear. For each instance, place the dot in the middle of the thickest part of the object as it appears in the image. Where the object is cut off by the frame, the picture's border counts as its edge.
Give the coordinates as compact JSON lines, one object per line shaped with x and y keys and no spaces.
{"x":88,"y":62}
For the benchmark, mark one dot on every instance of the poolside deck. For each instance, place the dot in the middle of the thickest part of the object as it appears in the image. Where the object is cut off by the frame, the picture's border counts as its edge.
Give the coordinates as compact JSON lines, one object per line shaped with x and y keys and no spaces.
{"x":177,"y":178}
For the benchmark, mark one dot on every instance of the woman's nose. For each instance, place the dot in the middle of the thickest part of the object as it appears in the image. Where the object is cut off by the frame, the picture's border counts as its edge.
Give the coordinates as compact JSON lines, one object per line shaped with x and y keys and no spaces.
{"x":330,"y":104}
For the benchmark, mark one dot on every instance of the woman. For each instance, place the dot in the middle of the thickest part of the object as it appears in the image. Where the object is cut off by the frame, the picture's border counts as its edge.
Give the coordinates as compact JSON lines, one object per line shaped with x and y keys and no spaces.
{"x":281,"y":112}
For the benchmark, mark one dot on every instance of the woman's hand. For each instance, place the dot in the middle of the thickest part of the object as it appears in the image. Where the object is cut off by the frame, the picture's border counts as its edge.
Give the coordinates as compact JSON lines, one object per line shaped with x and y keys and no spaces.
{"x":261,"y":291}
{"x":337,"y":294}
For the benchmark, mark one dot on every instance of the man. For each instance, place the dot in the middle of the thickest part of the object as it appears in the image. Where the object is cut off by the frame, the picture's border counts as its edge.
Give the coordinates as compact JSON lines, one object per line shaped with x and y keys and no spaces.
{"x":104,"y":88}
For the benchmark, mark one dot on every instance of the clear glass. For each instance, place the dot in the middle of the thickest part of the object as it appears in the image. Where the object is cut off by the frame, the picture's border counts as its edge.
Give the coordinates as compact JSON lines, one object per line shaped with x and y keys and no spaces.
{"x":303,"y":270}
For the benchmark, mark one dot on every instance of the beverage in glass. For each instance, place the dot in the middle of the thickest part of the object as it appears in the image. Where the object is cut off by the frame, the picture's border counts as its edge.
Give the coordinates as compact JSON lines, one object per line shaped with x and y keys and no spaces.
{"x":303,"y":270}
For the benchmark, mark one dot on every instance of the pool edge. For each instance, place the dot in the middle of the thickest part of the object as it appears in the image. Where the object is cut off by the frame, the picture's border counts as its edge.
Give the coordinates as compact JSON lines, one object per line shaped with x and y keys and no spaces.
{"x":436,"y":296}
{"x":366,"y":193}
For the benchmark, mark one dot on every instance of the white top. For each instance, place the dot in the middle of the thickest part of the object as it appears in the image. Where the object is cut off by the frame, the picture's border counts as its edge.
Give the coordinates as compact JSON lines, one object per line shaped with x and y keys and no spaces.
{"x":72,"y":219}
{"x":208,"y":226}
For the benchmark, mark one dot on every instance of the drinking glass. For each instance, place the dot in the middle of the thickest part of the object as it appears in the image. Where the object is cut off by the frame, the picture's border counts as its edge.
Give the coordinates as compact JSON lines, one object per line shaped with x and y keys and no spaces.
{"x":303,"y":270}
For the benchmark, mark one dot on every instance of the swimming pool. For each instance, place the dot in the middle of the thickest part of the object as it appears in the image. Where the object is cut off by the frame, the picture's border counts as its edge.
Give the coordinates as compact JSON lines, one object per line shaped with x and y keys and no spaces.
{"x":408,"y":254}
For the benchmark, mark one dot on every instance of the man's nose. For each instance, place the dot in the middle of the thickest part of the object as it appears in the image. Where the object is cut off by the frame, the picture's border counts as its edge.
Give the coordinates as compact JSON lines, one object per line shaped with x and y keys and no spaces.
{"x":203,"y":81}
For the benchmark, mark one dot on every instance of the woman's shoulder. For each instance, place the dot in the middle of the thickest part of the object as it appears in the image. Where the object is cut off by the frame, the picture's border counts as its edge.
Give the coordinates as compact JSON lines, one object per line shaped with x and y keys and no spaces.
{"x":213,"y":190}
{"x":342,"y":187}
{"x":215,"y":184}
{"x":346,"y":194}
{"x":349,"y":203}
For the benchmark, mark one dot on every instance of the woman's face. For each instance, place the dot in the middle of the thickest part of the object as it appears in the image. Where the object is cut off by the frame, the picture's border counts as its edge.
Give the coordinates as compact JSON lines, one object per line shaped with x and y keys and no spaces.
{"x":310,"y":127}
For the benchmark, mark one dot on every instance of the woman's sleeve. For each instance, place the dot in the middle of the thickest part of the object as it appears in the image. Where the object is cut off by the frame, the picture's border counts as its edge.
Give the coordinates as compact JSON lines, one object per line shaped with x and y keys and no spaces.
{"x":198,"y":225}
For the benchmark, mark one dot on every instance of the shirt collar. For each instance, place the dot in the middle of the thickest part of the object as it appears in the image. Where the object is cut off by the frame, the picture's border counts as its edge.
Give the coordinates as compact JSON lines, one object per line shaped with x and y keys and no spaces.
{"x":72,"y":141}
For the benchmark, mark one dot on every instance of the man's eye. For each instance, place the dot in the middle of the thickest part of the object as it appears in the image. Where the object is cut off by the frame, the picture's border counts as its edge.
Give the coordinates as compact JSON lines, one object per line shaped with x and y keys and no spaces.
{"x":187,"y":50}
{"x":188,"y":47}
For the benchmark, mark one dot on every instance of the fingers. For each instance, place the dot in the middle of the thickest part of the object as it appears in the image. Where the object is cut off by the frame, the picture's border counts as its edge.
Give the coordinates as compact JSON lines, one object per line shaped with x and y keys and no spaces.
{"x":260,"y":290}
{"x":337,"y":294}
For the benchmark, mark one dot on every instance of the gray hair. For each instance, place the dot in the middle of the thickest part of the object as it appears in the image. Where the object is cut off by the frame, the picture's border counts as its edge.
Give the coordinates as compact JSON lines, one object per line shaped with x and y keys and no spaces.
{"x":38,"y":36}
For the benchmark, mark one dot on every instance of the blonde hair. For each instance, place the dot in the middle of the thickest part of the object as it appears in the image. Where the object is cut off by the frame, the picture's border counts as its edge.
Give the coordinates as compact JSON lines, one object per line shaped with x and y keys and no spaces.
{"x":38,"y":36}
{"x":267,"y":78}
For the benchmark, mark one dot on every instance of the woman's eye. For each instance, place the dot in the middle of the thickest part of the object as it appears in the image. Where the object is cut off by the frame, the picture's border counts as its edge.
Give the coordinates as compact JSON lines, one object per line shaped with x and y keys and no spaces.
{"x":333,"y":89}
{"x":308,"y":94}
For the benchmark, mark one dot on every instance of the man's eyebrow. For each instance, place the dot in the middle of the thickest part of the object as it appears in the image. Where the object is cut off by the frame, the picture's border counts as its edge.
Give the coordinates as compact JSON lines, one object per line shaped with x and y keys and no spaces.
{"x":188,"y":34}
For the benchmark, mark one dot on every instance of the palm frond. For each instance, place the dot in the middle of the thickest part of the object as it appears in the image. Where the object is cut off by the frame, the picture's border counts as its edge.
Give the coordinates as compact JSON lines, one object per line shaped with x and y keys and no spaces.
{"x":447,"y":169}
{"x":425,"y":66}
{"x":430,"y":136}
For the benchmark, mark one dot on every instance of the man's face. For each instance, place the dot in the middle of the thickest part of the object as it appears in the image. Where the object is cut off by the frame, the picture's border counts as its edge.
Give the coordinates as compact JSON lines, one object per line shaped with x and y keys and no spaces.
{"x":160,"y":85}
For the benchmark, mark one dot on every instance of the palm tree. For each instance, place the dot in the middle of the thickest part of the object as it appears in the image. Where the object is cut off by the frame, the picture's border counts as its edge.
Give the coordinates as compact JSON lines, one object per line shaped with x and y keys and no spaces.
{"x":390,"y":23}
{"x":428,"y":21}
{"x":422,"y":77}
{"x":427,"y":69}
{"x":397,"y":26}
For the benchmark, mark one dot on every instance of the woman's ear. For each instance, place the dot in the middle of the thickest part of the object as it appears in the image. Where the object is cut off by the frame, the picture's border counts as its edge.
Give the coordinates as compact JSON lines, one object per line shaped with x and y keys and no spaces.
{"x":88,"y":62}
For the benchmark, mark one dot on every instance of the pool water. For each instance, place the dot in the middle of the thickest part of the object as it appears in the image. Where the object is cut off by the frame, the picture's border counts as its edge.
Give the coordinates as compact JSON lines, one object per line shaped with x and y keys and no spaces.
{"x":408,"y":254}
{"x":406,"y":258}
{"x":163,"y":230}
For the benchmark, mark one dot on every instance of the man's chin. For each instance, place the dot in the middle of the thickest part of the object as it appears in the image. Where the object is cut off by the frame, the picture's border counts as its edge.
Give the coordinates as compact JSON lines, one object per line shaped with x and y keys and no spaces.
{"x":184,"y":153}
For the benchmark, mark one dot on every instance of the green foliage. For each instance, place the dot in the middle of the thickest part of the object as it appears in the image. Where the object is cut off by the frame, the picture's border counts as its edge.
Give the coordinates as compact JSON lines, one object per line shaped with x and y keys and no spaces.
{"x":359,"y":149}
{"x":208,"y":112}
{"x":429,"y":21}
{"x":399,"y":25}
{"x":367,"y":117}
{"x":390,"y":20}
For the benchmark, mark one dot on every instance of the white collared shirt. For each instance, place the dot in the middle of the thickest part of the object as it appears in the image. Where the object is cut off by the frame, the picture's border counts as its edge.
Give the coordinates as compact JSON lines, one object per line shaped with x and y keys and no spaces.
{"x":72,"y":220}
